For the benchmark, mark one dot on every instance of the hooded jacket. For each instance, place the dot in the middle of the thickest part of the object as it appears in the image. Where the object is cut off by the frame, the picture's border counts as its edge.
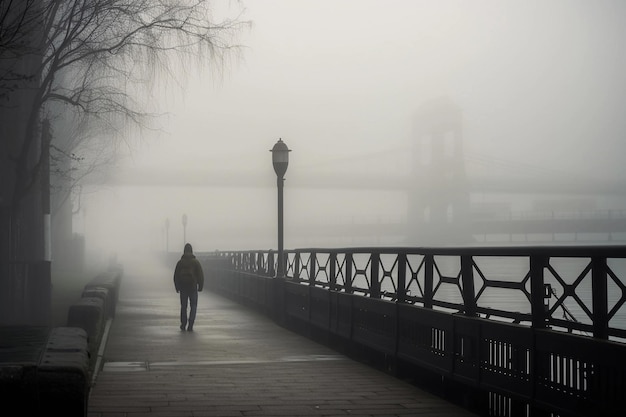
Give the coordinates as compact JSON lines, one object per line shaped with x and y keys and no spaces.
{"x":188,"y":274}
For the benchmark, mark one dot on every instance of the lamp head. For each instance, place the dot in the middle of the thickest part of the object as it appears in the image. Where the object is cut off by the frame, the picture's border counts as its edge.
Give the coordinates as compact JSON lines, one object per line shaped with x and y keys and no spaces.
{"x":280,"y":158}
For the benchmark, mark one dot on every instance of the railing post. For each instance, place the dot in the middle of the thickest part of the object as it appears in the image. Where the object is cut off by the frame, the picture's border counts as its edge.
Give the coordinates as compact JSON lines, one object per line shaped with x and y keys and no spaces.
{"x":429,"y":262}
{"x":312,"y":269}
{"x":348,"y":273}
{"x":599,"y":296}
{"x":296,"y":267}
{"x":467,"y":277}
{"x":266,"y":264}
{"x":285,"y":264}
{"x":401,"y":290}
{"x":333,"y":271}
{"x":374,"y":275}
{"x":540,"y":360}
{"x":271,"y":271}
{"x":539,"y":313}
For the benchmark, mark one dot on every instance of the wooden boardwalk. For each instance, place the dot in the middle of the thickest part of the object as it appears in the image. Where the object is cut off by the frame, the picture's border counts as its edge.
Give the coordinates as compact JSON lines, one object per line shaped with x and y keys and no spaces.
{"x":235,"y":363}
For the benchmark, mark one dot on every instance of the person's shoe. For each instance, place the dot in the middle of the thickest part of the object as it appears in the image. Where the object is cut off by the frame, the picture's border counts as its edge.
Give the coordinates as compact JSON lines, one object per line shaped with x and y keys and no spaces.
{"x":182,"y":327}
{"x":190,"y":328}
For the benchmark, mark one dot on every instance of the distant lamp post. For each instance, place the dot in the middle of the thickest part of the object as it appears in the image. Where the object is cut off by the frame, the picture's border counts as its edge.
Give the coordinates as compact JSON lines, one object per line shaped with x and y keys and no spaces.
{"x":280,"y":160}
{"x":184,"y":229}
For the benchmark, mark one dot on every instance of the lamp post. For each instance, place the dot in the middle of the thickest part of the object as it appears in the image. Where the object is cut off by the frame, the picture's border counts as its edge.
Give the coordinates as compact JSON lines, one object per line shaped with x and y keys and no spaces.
{"x":280,"y":160}
{"x":184,"y":229}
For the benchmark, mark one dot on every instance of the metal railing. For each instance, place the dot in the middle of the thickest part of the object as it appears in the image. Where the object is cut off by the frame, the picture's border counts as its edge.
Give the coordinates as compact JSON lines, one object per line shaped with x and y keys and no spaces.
{"x":531,"y":331}
{"x":539,"y":286}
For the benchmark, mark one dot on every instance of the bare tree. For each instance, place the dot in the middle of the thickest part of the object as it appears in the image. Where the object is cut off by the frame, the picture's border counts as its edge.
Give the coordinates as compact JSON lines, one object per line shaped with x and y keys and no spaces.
{"x":91,"y":57}
{"x":18,"y":20}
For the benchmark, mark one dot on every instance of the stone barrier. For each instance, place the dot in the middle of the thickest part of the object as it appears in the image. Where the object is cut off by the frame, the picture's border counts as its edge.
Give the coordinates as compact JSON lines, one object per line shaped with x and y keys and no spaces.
{"x":88,"y":314}
{"x":48,"y":371}
{"x":63,"y":376}
{"x":44,"y":371}
{"x":111,"y":280}
{"x":108,"y":305}
{"x":95,"y":307}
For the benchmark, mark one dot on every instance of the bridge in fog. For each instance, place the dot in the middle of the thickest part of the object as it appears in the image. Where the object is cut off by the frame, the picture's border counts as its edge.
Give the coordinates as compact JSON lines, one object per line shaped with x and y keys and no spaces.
{"x":441,"y":188}
{"x":163,"y":177}
{"x":570,"y":224}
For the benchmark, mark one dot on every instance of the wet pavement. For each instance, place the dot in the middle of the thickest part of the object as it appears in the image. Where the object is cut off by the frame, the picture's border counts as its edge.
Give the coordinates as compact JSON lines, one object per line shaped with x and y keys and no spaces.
{"x":236,"y":362}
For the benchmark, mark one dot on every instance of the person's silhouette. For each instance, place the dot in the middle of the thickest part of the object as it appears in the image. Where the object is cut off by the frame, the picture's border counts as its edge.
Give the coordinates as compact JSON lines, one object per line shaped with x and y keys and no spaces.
{"x":188,"y":280}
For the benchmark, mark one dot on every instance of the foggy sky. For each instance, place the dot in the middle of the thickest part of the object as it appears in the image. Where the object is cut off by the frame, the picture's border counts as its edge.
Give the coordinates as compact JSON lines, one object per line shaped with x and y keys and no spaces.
{"x":540,"y":83}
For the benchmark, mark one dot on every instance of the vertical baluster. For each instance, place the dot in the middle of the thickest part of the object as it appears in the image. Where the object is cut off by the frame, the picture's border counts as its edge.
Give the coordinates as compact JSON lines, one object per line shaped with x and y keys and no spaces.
{"x":348,"y":278}
{"x":374,"y":275}
{"x":401,"y":282}
{"x":552,"y":375}
{"x":568,"y":372}
{"x":297,"y":267}
{"x":333,"y":271}
{"x":312,"y":273}
{"x":599,"y":294}
{"x":558,"y":369}
{"x":539,"y":314}
{"x":271,"y":268}
{"x":467,"y":277}
{"x":429,"y":262}
{"x":254,"y":261}
{"x":506,"y":354}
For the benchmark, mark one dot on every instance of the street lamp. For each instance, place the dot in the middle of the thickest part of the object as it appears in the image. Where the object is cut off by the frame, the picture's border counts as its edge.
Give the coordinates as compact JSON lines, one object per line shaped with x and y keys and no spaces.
{"x":184,"y":229}
{"x":280,"y":160}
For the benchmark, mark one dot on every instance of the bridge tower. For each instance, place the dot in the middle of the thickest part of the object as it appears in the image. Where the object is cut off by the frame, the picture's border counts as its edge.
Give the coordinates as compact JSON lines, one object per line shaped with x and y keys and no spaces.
{"x":438,"y":203}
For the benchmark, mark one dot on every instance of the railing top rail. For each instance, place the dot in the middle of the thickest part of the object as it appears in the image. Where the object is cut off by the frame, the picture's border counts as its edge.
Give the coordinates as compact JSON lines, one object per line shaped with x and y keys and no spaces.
{"x":609,"y":251}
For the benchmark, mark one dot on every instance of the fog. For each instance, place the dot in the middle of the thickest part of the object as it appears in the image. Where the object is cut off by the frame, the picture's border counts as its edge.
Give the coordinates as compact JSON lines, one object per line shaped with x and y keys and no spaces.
{"x":540,"y":85}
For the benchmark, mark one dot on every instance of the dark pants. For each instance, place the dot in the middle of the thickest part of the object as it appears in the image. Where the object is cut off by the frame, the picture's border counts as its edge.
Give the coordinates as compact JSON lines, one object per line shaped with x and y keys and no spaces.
{"x":188,"y":297}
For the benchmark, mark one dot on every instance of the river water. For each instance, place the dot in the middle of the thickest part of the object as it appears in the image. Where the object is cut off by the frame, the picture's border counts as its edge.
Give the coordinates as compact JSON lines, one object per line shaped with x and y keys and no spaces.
{"x":564,"y":273}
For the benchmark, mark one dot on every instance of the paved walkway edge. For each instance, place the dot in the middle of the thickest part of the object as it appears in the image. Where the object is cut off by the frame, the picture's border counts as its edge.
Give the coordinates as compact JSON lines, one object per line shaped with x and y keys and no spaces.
{"x":103,"y":344}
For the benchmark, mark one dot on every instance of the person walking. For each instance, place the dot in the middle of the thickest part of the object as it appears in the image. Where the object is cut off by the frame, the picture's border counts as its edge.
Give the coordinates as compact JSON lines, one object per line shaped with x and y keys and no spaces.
{"x":188,"y":281}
